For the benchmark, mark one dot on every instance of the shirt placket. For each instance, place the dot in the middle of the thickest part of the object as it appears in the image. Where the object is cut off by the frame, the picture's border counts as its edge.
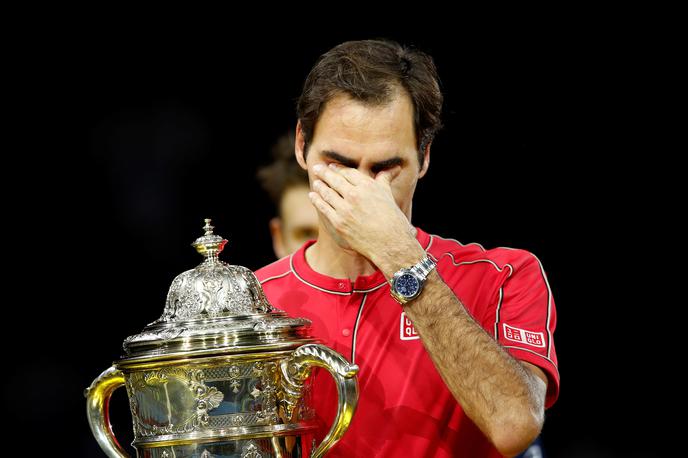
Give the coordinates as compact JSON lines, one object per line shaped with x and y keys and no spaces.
{"x":341,"y":302}
{"x":351,"y":329}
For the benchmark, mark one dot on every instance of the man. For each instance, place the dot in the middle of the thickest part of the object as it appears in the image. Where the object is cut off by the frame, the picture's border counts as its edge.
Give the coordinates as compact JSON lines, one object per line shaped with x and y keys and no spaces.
{"x":456,"y":355}
{"x":287,"y":185}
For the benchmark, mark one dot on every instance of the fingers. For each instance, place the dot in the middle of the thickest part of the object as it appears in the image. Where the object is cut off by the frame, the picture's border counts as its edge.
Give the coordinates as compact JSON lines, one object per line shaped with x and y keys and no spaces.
{"x":353,"y":176}
{"x":333,"y":179}
{"x":322,"y":206}
{"x":327,"y":194}
{"x":386,"y":176}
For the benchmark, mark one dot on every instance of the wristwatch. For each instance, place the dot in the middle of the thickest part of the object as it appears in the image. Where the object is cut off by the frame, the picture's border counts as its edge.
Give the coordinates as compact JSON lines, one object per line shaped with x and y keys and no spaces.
{"x":407,"y":283}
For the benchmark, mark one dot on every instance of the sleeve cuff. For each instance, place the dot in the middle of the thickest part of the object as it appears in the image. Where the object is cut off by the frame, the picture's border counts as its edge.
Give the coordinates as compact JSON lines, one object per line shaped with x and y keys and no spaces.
{"x":544,"y":363}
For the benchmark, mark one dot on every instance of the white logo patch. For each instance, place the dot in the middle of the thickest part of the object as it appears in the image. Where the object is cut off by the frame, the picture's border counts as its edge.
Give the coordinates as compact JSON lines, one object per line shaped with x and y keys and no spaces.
{"x":406,"y":329}
{"x":535,"y":339}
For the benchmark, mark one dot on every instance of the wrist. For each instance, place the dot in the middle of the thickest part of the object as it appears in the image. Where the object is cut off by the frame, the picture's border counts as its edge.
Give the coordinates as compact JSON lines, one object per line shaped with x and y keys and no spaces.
{"x":399,"y":256}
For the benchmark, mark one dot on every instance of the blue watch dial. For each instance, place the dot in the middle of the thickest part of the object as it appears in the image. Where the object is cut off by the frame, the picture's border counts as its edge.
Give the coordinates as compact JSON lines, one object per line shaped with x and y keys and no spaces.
{"x":407,"y":285}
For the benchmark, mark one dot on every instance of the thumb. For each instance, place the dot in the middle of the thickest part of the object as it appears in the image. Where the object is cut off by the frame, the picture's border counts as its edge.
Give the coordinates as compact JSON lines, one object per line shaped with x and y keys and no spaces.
{"x":386,"y":176}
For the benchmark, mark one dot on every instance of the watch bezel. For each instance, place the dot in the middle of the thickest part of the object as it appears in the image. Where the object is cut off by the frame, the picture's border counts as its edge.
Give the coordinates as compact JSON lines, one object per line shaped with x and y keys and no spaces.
{"x":402,"y":298}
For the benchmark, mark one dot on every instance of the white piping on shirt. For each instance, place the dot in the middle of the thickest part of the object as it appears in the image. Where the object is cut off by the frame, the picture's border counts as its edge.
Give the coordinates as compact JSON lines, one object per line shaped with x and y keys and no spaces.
{"x":499,"y":308}
{"x":456,"y":241}
{"x":457,"y":264}
{"x":291,"y":266}
{"x":549,"y":302}
{"x":276,"y":277}
{"x":549,"y":306}
{"x":358,"y":319}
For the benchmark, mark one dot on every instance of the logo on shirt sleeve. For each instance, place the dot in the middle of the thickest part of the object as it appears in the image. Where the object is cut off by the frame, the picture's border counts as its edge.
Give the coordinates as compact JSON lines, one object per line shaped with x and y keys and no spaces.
{"x":406,"y":329}
{"x":536,"y":339}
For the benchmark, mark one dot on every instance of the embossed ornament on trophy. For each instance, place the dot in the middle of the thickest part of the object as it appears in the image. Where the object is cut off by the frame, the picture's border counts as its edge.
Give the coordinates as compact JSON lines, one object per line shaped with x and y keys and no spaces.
{"x":222,"y":373}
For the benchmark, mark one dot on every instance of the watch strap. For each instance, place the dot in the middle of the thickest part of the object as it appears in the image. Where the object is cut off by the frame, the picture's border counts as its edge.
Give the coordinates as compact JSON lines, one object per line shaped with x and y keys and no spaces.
{"x":424,"y":267}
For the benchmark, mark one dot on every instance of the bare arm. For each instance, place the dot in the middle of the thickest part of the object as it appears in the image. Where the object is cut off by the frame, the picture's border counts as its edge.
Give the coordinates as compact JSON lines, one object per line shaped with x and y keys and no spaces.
{"x":504,"y":397}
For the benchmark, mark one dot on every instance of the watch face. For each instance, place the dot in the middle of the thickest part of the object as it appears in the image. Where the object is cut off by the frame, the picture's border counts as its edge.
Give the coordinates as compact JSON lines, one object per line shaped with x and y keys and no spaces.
{"x":407,"y":285}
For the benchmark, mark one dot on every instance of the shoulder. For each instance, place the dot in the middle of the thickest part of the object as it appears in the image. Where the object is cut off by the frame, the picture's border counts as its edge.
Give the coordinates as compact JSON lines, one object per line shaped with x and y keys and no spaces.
{"x":278,"y":269}
{"x":448,"y":250}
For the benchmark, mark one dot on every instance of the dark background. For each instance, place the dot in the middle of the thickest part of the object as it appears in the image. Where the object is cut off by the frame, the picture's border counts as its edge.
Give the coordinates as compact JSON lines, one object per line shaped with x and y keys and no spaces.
{"x":131,"y":135}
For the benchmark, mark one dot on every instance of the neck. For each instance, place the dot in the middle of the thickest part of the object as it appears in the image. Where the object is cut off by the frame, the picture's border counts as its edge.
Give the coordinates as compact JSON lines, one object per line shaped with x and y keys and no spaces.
{"x":328,"y":258}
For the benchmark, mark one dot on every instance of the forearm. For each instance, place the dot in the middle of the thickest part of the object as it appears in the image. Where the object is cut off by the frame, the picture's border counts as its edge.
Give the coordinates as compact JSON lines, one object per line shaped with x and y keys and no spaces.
{"x":503,"y":398}
{"x":499,"y":394}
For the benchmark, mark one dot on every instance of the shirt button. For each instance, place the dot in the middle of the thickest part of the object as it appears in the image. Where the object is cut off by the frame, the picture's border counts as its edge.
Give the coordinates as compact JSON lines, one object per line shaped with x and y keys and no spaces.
{"x":346,"y":332}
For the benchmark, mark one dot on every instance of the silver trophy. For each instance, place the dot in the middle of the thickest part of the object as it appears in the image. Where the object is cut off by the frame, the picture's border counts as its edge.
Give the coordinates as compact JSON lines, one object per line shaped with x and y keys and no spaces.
{"x":222,"y":373}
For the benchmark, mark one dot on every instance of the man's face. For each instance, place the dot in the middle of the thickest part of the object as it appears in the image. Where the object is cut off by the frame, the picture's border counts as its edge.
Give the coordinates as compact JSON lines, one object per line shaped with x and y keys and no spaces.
{"x":370,"y":139}
{"x":298,"y":222}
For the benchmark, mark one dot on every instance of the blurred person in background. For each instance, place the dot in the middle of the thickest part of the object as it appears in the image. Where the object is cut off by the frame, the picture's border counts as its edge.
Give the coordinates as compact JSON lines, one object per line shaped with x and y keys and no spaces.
{"x":287,"y":185}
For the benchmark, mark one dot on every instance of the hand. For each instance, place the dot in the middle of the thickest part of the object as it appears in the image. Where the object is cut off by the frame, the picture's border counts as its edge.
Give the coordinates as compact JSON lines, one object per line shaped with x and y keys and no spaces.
{"x":361,"y":214}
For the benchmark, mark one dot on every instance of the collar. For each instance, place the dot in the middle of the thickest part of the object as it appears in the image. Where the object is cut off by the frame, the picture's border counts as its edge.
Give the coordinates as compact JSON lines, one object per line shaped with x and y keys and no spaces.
{"x":341,"y":286}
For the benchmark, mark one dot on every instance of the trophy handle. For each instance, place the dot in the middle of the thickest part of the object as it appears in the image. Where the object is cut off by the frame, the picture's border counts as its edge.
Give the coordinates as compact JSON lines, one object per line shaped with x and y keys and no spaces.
{"x":297,"y":369}
{"x":97,"y":409}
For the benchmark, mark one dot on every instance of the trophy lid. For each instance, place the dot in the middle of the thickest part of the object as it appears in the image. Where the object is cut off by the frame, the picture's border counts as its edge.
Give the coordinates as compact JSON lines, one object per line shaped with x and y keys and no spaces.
{"x":216,"y":308}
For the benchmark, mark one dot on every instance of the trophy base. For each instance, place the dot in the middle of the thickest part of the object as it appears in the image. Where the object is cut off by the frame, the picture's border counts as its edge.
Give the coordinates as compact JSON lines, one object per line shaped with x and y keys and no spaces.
{"x":268,"y":447}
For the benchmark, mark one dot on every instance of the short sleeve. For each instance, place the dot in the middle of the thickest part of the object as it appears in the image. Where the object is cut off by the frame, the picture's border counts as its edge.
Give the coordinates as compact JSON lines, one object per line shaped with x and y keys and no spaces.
{"x":526,"y":319}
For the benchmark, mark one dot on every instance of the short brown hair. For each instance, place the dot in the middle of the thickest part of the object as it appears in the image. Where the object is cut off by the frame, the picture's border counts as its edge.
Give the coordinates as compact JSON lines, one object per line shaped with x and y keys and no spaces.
{"x":371,"y":71}
{"x":284,"y":172}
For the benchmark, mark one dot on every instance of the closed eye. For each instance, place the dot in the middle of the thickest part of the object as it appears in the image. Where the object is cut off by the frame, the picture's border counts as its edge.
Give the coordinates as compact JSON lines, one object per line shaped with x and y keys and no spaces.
{"x":386,"y":165}
{"x":336,"y":158}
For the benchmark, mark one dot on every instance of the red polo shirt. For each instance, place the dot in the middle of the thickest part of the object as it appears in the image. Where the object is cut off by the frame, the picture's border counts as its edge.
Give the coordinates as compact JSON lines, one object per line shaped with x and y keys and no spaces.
{"x":405,"y":409}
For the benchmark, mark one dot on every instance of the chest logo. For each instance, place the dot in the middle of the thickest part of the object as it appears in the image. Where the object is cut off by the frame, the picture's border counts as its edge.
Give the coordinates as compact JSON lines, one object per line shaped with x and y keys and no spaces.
{"x":536,"y":339}
{"x":406,"y":329}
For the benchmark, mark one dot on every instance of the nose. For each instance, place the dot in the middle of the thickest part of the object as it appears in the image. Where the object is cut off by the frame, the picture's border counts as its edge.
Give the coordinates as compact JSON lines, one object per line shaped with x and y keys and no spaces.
{"x":366,"y":171}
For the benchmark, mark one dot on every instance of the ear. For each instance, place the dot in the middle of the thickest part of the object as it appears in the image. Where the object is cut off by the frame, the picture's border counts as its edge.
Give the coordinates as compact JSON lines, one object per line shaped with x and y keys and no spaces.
{"x":426,"y":161}
{"x":277,"y":240}
{"x":299,"y":146}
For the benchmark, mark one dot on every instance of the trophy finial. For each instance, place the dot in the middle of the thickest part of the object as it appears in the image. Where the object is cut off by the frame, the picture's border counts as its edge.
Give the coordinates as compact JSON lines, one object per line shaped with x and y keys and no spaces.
{"x":208,"y":227}
{"x":209,"y":245}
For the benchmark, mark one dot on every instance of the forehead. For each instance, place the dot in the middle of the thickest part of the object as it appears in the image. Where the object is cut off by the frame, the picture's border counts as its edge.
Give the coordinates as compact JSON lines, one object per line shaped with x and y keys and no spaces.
{"x":348,"y":126}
